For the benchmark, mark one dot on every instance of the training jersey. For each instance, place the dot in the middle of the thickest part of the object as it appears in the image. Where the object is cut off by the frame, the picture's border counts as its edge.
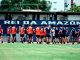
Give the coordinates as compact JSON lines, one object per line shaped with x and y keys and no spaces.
{"x":44,"y":32}
{"x":13,"y":30}
{"x":73,"y":31}
{"x":41,"y":32}
{"x":22,"y":30}
{"x":63,"y":31}
{"x":56,"y":31}
{"x":79,"y":32}
{"x":8,"y":30}
{"x":48,"y":31}
{"x":53,"y":31}
{"x":1,"y":31}
{"x":37,"y":31}
{"x":30,"y":30}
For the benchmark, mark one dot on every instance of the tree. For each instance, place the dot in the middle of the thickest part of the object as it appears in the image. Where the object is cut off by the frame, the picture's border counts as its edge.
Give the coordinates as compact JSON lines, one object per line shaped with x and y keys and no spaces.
{"x":18,"y":5}
{"x":75,"y":8}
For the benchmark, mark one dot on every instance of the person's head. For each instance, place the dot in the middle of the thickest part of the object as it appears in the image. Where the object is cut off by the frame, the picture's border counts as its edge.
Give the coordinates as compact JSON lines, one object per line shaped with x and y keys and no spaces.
{"x":30,"y":25}
{"x":54,"y":27}
{"x":48,"y":26}
{"x":73,"y":28}
{"x":79,"y":26}
{"x":62,"y":26}
{"x":42,"y":28}
{"x":37,"y":26}
{"x":13,"y":26}
{"x":22,"y":25}
{"x":67,"y":28}
{"x":9,"y":27}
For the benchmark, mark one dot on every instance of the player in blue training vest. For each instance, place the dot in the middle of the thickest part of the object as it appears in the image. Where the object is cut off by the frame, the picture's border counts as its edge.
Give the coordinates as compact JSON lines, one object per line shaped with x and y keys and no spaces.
{"x":63,"y":34}
{"x":78,"y":34}
{"x":1,"y":32}
{"x":67,"y":35}
{"x":73,"y":32}
{"x":57,"y":34}
{"x":48,"y":30}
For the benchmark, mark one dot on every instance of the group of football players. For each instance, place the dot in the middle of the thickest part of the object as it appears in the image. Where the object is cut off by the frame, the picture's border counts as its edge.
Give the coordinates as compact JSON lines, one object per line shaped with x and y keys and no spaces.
{"x":43,"y":34}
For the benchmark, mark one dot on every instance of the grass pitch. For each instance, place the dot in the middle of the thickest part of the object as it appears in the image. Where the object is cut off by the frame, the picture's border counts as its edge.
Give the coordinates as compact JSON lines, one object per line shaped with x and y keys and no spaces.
{"x":19,"y":51}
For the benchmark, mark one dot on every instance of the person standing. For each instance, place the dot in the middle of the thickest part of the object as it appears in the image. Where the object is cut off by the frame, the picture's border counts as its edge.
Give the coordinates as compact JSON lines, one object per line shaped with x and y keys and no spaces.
{"x":30,"y":34}
{"x":1,"y":32}
{"x":22,"y":33}
{"x":73,"y":32}
{"x":67,"y":35}
{"x":63,"y":34}
{"x":41,"y":35}
{"x":37,"y":31}
{"x":79,"y":34}
{"x":48,"y":30}
{"x":8,"y":33}
{"x":57,"y":34}
{"x":13,"y":31}
{"x":53,"y":35}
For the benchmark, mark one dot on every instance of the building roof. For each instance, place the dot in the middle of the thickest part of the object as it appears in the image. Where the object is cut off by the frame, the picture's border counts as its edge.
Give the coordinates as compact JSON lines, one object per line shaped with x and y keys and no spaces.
{"x":24,"y":12}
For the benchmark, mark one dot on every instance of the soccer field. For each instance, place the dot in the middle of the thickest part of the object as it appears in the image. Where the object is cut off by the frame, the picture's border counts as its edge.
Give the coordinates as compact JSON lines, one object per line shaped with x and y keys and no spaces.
{"x":19,"y":51}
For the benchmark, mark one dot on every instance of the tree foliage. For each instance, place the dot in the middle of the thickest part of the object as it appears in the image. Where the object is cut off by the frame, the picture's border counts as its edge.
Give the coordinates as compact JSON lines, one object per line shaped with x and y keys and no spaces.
{"x":75,"y":8}
{"x":18,"y":5}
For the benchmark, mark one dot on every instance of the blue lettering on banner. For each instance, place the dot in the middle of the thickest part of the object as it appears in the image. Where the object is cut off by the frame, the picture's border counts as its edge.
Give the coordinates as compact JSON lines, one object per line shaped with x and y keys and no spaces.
{"x":40,"y":22}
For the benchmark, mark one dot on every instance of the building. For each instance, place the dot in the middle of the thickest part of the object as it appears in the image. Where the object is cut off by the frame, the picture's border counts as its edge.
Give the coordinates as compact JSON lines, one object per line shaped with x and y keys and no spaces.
{"x":39,"y":15}
{"x":62,"y":5}
{"x":57,"y":5}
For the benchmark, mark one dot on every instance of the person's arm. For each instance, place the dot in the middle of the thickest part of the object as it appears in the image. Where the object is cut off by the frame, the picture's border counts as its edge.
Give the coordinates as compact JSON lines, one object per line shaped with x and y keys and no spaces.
{"x":33,"y":30}
{"x":51,"y":30}
{"x":2,"y":31}
{"x":59,"y":31}
{"x":71,"y":32}
{"x":27,"y":30}
{"x":19,"y":30}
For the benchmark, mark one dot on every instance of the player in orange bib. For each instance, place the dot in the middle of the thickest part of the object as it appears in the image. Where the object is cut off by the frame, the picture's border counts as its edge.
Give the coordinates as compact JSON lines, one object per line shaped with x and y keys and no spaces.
{"x":13,"y":31}
{"x":1,"y":32}
{"x":30,"y":34}
{"x":22,"y":32}
{"x":37,"y":34}
{"x":8,"y":33}
{"x":41,"y":35}
{"x":44,"y":39}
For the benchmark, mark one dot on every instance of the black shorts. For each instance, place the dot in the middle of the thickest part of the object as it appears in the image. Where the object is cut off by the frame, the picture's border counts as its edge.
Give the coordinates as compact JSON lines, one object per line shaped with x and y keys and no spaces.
{"x":13,"y":35}
{"x":30,"y":35}
{"x":0,"y":34}
{"x":73,"y":35}
{"x":38,"y":36}
{"x":66,"y":35}
{"x":60,"y":35}
{"x":21,"y":35}
{"x":48,"y":35}
{"x":56,"y":36}
{"x":42,"y":36}
{"x":8,"y":34}
{"x":53,"y":37}
{"x":63,"y":35}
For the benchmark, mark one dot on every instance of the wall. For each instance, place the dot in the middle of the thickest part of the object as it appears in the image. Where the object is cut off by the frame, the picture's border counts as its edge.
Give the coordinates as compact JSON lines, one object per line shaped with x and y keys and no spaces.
{"x":73,"y":17}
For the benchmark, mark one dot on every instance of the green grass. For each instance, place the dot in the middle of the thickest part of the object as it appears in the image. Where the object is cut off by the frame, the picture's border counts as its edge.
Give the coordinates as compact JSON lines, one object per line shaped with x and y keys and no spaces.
{"x":18,"y":51}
